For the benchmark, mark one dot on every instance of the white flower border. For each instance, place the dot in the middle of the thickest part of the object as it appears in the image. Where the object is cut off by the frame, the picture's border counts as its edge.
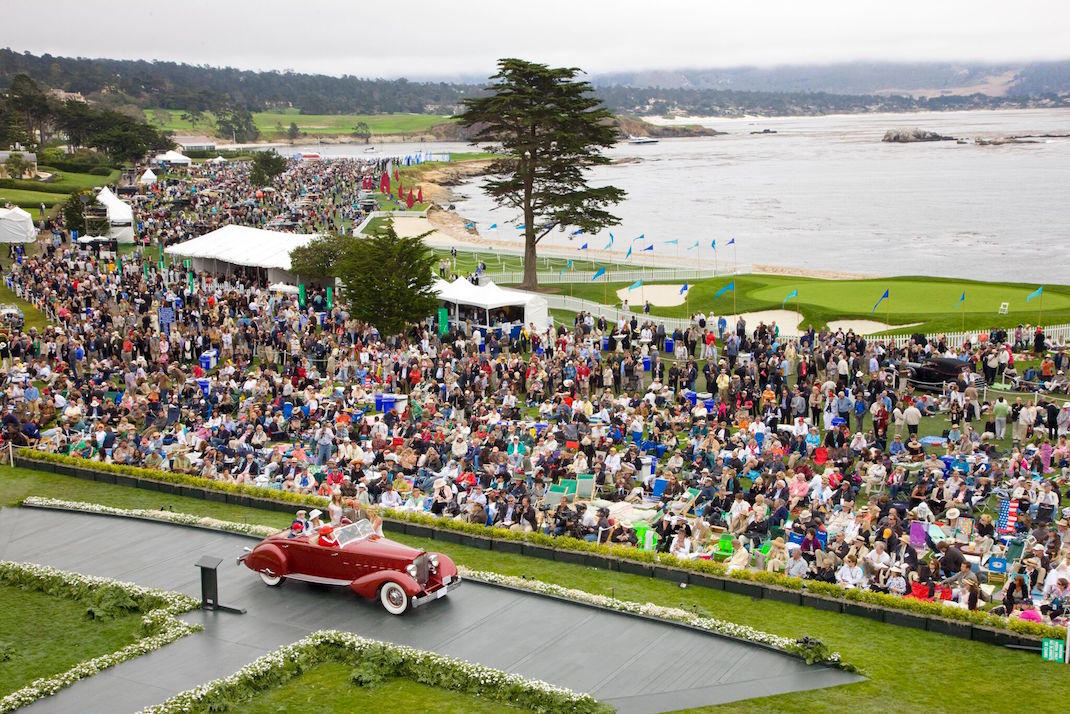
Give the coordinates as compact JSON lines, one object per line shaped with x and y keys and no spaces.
{"x":162,"y":621}
{"x":674,"y":614}
{"x":186,"y":519}
{"x":311,"y":647}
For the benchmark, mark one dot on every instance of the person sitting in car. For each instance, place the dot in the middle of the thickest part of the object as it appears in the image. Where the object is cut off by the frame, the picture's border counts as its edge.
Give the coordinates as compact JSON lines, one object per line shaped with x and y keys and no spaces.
{"x":327,"y":539}
{"x":300,"y":525}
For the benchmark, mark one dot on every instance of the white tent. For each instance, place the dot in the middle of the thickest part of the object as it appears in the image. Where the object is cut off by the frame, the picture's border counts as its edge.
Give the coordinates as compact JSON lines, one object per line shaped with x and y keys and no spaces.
{"x":241,"y":245}
{"x":148,"y":178}
{"x":173,"y":157}
{"x":217,"y":160}
{"x":491,"y":297}
{"x":16,"y":226}
{"x":120,"y":216}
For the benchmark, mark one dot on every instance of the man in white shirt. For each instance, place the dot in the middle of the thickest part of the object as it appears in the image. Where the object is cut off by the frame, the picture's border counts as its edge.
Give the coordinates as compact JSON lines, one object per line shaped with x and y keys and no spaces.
{"x":849,"y":575}
{"x":877,"y":559}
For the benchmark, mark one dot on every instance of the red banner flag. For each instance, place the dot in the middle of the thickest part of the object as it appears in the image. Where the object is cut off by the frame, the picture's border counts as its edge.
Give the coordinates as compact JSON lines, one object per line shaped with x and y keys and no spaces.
{"x":420,"y":195}
{"x":409,"y":201}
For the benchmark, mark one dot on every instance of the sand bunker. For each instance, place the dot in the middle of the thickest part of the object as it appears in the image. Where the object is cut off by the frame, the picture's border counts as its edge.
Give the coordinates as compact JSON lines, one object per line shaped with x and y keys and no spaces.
{"x":656,"y":295}
{"x":866,"y":327}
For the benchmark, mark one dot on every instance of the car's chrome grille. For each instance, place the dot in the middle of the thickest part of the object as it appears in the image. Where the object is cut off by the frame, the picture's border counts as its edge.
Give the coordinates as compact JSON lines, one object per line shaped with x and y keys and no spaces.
{"x":421,"y":569}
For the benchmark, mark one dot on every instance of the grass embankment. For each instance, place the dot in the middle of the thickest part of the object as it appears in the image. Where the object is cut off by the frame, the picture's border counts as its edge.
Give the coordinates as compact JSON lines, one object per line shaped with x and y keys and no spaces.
{"x":310,"y":125}
{"x":938,"y":668}
{"x":42,"y":635}
{"x":331,"y":683}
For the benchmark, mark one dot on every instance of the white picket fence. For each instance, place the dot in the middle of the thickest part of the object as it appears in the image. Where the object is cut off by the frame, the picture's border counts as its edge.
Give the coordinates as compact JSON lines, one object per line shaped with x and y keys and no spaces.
{"x":612,"y":276}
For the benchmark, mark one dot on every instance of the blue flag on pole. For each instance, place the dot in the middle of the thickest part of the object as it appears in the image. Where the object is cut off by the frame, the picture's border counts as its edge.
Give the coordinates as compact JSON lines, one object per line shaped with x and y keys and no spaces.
{"x":961,"y":299}
{"x":1035,"y":294}
{"x":470,"y":225}
{"x":731,"y":241}
{"x":727,"y":288}
{"x":577,"y":232}
{"x":598,"y":273}
{"x":493,"y":225}
{"x":611,"y":239}
{"x":713,"y":244}
{"x":568,"y":266}
{"x":683,"y":288}
{"x":649,"y":247}
{"x":521,"y":227}
{"x":637,"y":284}
{"x":793,"y":293}
{"x":583,"y":247}
{"x":641,"y":237}
{"x":674,"y":241}
{"x":882,"y":299}
{"x":694,"y":246}
{"x":629,"y":253}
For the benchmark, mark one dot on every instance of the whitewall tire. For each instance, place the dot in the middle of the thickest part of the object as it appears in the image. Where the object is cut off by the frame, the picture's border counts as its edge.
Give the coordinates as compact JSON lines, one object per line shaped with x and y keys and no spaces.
{"x":394,"y":598}
{"x":271,"y":580}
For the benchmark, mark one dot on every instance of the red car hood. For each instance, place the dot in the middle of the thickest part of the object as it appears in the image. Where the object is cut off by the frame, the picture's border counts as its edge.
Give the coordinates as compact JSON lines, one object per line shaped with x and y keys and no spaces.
{"x":379,"y":547}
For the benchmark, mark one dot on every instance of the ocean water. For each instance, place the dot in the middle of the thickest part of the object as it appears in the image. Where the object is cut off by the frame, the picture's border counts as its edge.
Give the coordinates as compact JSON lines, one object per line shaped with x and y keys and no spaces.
{"x":825,"y":193}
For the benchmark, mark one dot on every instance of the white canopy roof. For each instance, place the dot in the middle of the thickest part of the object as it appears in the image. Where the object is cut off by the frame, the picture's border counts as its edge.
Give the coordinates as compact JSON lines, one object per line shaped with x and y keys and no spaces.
{"x":16,"y":226}
{"x":242,"y":245}
{"x":173,"y":157}
{"x":217,"y":160}
{"x":491,"y":296}
{"x":284,"y":288}
{"x":119,"y":212}
{"x":147,"y":178}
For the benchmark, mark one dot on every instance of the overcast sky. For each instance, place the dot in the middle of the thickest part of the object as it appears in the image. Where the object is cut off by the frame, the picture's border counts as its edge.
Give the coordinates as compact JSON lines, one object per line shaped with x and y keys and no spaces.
{"x":417,"y":38}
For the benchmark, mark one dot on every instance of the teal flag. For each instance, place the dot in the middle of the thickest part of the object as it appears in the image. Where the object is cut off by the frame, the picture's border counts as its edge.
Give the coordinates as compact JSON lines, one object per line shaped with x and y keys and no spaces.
{"x":882,"y":299}
{"x":694,"y":246}
{"x":568,"y":266}
{"x":598,"y":273}
{"x":792,"y":294}
{"x":1035,"y":294}
{"x":629,"y":254}
{"x":727,"y":288}
{"x":674,"y":241}
{"x":636,"y":284}
{"x":961,"y":299}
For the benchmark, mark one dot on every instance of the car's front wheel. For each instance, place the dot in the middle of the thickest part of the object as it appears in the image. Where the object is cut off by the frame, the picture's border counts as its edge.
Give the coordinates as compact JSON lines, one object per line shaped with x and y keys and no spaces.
{"x":271,"y":580}
{"x":394,"y":598}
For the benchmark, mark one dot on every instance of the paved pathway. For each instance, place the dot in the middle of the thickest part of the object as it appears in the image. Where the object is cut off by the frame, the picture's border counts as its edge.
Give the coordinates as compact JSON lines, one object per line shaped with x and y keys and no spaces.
{"x":635,"y":665}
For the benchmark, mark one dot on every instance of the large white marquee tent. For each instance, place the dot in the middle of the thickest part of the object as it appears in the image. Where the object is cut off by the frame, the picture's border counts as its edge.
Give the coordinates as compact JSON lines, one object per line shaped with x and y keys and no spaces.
{"x":120,"y":216}
{"x":245,"y":246}
{"x":490,"y":297}
{"x":16,"y":226}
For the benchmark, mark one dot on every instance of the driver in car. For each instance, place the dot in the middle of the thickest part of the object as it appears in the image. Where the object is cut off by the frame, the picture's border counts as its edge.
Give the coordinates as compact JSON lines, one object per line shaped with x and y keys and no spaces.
{"x":327,"y":538}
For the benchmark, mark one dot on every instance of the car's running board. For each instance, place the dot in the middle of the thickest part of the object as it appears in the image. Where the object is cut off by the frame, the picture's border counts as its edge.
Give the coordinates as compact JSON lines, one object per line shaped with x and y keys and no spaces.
{"x":316,"y":579}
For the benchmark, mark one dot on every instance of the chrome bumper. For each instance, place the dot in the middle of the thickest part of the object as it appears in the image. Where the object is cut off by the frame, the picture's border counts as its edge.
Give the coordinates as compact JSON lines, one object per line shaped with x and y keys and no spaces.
{"x":440,"y":593}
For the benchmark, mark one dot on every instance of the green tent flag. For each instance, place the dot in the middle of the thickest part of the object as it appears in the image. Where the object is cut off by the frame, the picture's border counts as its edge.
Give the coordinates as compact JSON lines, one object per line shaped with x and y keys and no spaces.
{"x":301,"y":295}
{"x":330,"y":297}
{"x":443,"y":321}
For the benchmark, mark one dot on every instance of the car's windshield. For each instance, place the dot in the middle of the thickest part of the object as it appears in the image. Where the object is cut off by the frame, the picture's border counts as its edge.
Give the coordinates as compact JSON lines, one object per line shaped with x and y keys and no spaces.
{"x":354,"y":531}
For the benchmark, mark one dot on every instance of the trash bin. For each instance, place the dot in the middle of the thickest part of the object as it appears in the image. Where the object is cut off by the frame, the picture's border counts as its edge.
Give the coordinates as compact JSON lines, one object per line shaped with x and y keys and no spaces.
{"x":209,"y":359}
{"x":646,"y":363}
{"x":648,"y":464}
{"x":205,"y":385}
{"x":711,"y":405}
{"x":691,"y":397}
{"x":670,"y":345}
{"x":605,"y":343}
{"x":378,"y":401}
{"x":388,"y":402}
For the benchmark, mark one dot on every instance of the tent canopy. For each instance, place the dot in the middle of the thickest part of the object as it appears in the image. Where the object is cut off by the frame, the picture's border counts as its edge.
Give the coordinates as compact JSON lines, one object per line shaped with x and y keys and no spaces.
{"x":119,"y":212}
{"x":217,"y":160}
{"x":16,"y":226}
{"x":173,"y":157}
{"x":241,"y":245}
{"x":147,"y":178}
{"x":491,"y":297}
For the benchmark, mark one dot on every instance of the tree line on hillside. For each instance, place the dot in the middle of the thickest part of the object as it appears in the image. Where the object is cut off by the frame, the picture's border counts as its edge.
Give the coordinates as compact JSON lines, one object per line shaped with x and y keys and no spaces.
{"x":31,"y":117}
{"x":134,"y":85}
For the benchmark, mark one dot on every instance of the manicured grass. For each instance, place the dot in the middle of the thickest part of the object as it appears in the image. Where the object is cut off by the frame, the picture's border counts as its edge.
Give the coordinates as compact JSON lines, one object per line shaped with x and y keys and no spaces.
{"x":71,"y":181}
{"x":930,"y":301}
{"x":46,"y":635}
{"x":32,"y":316}
{"x":926,"y":671}
{"x":311,"y":124}
{"x":30,"y":199}
{"x":328,"y":685}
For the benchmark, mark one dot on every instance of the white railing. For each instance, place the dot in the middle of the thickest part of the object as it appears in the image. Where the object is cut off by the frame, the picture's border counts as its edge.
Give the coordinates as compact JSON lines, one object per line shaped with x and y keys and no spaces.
{"x":612,"y":276}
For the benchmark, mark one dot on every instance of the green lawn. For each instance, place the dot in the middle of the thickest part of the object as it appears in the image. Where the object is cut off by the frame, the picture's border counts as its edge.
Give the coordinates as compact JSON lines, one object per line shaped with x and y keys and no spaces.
{"x":33,"y":316}
{"x":30,"y":199}
{"x":923,"y":671}
{"x":328,"y":687}
{"x":71,"y":181}
{"x":45,"y":635}
{"x":930,"y":301}
{"x":311,"y":124}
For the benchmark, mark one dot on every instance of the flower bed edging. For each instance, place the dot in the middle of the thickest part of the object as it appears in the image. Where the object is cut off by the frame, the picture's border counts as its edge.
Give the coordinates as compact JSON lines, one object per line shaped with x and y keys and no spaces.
{"x":278,"y":667}
{"x":160,"y":624}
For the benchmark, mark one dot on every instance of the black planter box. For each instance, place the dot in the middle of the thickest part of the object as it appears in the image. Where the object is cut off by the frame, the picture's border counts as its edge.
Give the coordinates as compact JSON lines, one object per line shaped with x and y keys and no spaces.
{"x":217,"y":496}
{"x":673,"y":575}
{"x":238,"y":499}
{"x":66,"y":470}
{"x":822,"y":603}
{"x":124,"y":480}
{"x":48,"y":466}
{"x":508,"y":546}
{"x":447,"y":536}
{"x":570,"y":556}
{"x":478,"y":542}
{"x":706,"y":580}
{"x":743,"y":587}
{"x":955,"y":628}
{"x":417,"y":529}
{"x":905,"y":619}
{"x":534,"y":550}
{"x":600,"y":561}
{"x":634,"y":567}
{"x":862,"y":610}
{"x":792,"y":597}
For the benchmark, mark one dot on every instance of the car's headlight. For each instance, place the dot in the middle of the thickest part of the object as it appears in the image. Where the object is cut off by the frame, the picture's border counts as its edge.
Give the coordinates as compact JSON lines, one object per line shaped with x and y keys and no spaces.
{"x":433,"y":559}
{"x":411,"y":569}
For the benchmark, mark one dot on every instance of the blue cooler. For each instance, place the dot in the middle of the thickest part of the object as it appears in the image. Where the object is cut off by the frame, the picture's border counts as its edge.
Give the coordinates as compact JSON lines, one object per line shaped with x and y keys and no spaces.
{"x":670,"y":345}
{"x":378,"y":401}
{"x":205,"y":385}
{"x":646,"y":363}
{"x":388,"y":402}
{"x":691,"y":396}
{"x":711,"y":405}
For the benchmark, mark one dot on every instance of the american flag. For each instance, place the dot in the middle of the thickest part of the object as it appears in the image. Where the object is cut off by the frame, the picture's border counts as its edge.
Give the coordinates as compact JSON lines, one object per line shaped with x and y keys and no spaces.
{"x":1008,"y":515}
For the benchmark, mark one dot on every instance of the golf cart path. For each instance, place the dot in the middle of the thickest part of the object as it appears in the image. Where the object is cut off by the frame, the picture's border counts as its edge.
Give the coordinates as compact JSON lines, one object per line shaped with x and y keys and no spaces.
{"x":634,"y":664}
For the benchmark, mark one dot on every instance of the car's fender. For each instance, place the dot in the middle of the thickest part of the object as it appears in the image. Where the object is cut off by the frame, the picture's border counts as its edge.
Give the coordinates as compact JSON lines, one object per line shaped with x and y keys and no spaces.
{"x":267,"y":556}
{"x":368,"y":585}
{"x":446,"y":567}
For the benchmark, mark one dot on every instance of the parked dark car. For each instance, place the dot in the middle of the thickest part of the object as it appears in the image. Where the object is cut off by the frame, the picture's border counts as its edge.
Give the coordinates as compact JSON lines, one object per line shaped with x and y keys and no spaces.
{"x":933,"y":373}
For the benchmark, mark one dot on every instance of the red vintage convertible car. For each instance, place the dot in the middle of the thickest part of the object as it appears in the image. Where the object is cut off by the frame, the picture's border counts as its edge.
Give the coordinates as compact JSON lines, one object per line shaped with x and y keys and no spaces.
{"x":370,"y":565}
